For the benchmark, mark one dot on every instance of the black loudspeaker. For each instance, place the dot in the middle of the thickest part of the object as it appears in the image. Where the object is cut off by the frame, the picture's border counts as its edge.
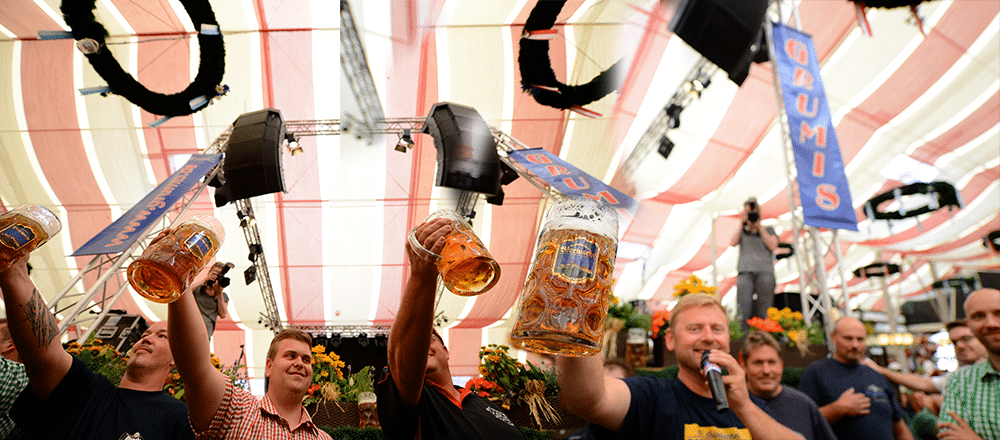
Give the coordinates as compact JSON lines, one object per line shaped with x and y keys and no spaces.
{"x":252,"y":165}
{"x":467,"y":156}
{"x":727,"y":32}
{"x":121,"y":331}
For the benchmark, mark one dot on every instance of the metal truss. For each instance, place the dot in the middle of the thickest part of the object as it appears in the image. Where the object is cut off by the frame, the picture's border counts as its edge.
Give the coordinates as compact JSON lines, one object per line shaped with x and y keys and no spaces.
{"x":248,"y":223}
{"x":685,"y":94}
{"x":346,"y":331}
{"x":357,"y":72}
{"x":81,"y":307}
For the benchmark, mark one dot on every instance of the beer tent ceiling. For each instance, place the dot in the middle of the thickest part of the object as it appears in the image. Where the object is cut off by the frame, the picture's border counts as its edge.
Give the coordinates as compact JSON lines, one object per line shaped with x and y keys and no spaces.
{"x":334,"y":241}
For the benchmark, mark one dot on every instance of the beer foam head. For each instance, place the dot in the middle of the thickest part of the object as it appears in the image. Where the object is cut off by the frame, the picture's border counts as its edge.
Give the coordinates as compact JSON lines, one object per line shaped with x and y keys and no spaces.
{"x":579,"y":212}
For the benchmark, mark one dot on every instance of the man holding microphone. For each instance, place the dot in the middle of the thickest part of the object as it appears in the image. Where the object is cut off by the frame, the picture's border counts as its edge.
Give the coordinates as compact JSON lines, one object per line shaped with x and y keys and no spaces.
{"x":681,"y":408}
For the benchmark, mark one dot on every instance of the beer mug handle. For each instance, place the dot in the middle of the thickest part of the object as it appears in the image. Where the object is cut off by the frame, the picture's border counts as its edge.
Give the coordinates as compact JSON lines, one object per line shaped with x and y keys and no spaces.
{"x":419,"y":248}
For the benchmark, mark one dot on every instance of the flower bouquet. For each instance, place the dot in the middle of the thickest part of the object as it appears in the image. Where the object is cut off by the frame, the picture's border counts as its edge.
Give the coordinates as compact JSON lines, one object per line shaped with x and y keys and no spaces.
{"x":660,"y":322}
{"x":693,"y":284}
{"x":507,"y":382}
{"x":789,"y":327}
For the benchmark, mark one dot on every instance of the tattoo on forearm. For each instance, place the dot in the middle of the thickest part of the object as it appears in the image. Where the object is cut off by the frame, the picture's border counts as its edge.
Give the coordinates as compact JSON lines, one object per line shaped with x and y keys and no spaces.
{"x":40,"y":320}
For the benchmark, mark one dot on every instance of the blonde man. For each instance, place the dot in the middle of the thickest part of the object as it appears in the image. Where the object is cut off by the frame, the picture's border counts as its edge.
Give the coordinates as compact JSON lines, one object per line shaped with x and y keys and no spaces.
{"x":653,"y":408}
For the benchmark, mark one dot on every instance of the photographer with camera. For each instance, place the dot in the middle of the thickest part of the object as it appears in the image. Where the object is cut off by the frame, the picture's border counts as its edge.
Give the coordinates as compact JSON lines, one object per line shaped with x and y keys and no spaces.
{"x":756,"y":264}
{"x":212,"y":301}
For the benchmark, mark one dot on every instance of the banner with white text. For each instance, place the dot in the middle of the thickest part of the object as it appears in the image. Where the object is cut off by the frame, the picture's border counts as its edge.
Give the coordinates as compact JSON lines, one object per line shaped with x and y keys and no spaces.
{"x":118,"y":236}
{"x":823,"y":190}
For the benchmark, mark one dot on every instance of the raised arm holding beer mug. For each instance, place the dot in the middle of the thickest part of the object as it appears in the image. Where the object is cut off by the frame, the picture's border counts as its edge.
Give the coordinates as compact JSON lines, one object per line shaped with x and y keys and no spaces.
{"x":416,"y":396}
{"x":562,"y":312}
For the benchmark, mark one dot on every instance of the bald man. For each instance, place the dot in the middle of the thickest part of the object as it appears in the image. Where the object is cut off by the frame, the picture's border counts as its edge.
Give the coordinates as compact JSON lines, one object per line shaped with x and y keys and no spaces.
{"x":857,"y":401}
{"x":972,"y":399}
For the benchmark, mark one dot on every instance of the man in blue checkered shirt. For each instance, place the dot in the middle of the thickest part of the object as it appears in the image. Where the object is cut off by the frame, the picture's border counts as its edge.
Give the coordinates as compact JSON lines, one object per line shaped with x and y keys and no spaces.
{"x":971,"y":408}
{"x":13,"y":379}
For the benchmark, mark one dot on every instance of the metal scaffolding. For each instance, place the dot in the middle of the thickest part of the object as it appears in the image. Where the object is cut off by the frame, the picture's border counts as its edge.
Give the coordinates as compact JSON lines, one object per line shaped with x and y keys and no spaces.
{"x":81,"y":307}
{"x":358,"y":74}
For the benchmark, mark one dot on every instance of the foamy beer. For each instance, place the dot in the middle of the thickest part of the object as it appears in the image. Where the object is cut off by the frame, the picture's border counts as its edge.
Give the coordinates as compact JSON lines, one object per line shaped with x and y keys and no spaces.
{"x":23,"y":230}
{"x":465,"y":265}
{"x":367,"y":410}
{"x":168,"y":265}
{"x":565,"y":297}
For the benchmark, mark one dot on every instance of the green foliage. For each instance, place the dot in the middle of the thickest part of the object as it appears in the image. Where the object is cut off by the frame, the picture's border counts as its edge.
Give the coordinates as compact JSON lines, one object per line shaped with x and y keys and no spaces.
{"x":532,"y":434}
{"x":668,"y":372}
{"x":792,"y":376}
{"x":735,"y":331}
{"x":99,"y":358}
{"x":504,"y":378}
{"x":352,"y":433}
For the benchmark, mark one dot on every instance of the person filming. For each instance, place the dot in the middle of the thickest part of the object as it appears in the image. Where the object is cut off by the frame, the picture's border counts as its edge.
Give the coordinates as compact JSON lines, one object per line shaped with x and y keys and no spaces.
{"x":755,"y":283}
{"x":212,"y":301}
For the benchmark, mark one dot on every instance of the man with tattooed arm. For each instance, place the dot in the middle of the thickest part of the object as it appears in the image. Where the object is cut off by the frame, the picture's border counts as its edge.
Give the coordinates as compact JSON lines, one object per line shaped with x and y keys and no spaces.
{"x":65,"y":400}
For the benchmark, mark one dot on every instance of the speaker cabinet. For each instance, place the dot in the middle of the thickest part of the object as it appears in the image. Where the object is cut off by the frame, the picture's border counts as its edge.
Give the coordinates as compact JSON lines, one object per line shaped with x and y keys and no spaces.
{"x":252,"y":165}
{"x":722,"y":31}
{"x":467,"y":156}
{"x":121,"y":331}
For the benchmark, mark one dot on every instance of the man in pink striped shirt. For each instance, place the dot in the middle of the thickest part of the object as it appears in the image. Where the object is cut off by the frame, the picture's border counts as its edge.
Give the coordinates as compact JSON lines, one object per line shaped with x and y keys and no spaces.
{"x":217,"y":409}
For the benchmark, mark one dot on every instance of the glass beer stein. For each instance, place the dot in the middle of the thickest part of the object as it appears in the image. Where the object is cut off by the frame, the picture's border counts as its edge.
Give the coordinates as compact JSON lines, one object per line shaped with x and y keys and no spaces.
{"x":637,"y":347}
{"x":168,"y":265}
{"x":465,"y":265}
{"x":23,"y":230}
{"x":367,"y":410}
{"x":565,"y":297}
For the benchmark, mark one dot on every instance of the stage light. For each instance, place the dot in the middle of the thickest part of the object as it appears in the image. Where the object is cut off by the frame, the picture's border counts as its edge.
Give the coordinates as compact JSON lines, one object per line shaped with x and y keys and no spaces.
{"x":666,"y":146}
{"x":293,"y":144}
{"x":381,"y":340}
{"x":674,"y":115}
{"x":250,"y":275}
{"x":246,"y":220}
{"x":405,"y":141}
{"x":255,"y":250}
{"x":335,"y":340}
{"x":363,"y":340}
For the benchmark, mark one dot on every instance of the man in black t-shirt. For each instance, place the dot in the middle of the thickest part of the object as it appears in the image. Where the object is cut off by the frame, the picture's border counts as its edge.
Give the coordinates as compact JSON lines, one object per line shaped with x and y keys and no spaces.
{"x":682,"y":408}
{"x":857,"y":401}
{"x":65,"y":400}
{"x":416,"y":390}
{"x":764,"y":367}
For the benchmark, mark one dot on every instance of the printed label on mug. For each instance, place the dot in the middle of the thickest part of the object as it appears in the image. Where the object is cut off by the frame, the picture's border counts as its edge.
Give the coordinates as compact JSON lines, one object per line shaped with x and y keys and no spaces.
{"x":575,"y":260}
{"x":16,"y":236}
{"x":199,"y":244}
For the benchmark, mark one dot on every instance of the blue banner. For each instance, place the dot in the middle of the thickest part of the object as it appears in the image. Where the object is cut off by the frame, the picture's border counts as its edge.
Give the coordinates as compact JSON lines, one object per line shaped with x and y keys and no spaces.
{"x":823,"y":190}
{"x":570,"y":180}
{"x":129,"y":227}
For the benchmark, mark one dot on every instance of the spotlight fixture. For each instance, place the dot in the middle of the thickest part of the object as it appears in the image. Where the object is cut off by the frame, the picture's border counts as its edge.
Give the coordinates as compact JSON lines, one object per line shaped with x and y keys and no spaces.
{"x":381,"y":340}
{"x":335,"y":340}
{"x":405,"y":141}
{"x":363,"y":340}
{"x":666,"y":146}
{"x":250,"y":275}
{"x":255,"y":250}
{"x":246,"y":220}
{"x":674,"y":115}
{"x":293,"y":143}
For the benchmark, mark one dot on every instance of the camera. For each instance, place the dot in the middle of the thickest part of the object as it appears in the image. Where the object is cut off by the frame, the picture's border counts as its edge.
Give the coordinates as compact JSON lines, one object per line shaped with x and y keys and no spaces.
{"x":753,"y":215}
{"x":222,"y":278}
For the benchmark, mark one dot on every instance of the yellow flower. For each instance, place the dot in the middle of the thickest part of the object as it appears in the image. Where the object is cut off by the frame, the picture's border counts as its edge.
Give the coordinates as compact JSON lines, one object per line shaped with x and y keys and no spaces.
{"x":319,"y":349}
{"x":324,"y":373}
{"x":793,"y":334}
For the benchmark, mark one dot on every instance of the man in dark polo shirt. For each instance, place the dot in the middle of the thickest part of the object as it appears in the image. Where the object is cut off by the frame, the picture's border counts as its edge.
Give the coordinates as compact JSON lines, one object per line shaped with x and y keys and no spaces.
{"x":857,"y":401}
{"x":415,"y":392}
{"x":787,"y":405}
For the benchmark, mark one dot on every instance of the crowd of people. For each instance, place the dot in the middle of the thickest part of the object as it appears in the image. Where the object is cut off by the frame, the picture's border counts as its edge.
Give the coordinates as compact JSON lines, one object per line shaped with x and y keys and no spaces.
{"x":47,"y":393}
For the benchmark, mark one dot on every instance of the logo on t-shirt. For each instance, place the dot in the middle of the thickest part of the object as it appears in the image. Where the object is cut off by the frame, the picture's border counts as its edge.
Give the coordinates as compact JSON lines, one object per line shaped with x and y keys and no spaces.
{"x":127,"y":436}
{"x":695,"y":432}
{"x":877,"y":394}
{"x":500,"y":415}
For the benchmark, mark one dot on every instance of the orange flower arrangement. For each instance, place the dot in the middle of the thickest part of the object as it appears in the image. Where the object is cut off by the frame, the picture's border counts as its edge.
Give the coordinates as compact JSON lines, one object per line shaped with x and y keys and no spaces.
{"x":661,"y":319}
{"x":767,"y":325}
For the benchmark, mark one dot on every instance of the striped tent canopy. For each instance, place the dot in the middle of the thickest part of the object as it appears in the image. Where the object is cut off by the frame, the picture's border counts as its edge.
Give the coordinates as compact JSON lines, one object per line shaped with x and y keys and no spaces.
{"x":926,"y":91}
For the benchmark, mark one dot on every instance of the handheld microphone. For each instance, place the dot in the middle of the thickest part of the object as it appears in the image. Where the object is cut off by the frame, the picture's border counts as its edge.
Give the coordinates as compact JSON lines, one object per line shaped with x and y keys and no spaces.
{"x":714,"y":375}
